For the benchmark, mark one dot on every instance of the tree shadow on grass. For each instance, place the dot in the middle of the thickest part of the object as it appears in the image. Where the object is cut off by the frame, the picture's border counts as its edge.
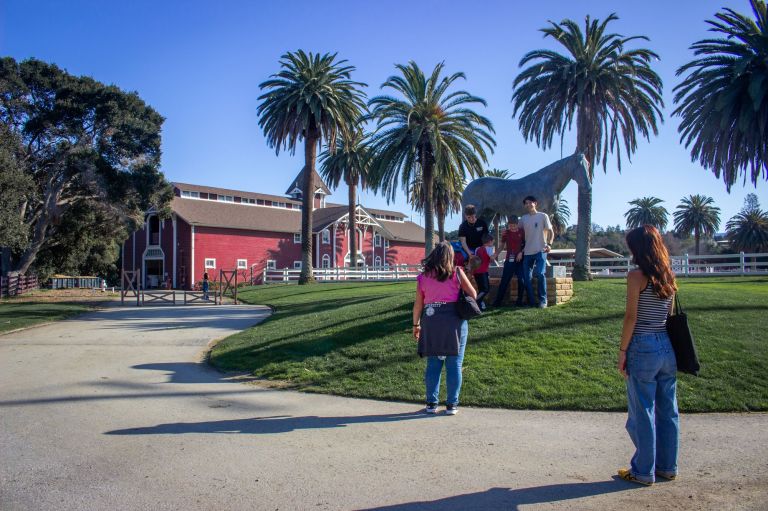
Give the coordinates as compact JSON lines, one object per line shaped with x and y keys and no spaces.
{"x":268,"y":425}
{"x":510,"y":499}
{"x":256,"y":356}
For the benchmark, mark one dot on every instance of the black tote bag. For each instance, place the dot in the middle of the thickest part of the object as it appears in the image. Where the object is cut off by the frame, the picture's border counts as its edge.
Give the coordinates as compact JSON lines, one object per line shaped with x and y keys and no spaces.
{"x":466,"y":306}
{"x":682,"y":341}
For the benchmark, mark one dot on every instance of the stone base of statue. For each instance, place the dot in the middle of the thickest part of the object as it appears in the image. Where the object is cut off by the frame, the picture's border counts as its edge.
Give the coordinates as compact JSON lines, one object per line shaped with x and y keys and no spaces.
{"x":559,"y":289}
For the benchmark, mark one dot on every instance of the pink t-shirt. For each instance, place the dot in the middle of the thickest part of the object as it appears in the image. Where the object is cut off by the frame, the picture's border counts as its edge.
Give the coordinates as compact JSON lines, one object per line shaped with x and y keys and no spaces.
{"x":432,"y":290}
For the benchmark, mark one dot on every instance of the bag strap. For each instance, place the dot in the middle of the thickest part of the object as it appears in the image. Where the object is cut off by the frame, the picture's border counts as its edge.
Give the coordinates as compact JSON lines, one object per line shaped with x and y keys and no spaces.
{"x":678,"y":307}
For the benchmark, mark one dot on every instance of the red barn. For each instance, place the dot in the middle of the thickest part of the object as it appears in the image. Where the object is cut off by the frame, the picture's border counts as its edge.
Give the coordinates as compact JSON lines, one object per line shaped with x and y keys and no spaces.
{"x":215,"y":228}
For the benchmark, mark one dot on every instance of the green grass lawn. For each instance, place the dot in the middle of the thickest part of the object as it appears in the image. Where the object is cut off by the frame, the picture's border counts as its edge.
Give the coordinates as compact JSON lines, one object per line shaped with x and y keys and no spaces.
{"x":15,"y":315}
{"x":354,"y":340}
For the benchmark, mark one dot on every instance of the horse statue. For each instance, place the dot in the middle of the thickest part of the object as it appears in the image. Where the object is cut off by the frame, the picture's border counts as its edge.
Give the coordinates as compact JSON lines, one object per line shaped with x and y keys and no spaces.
{"x":505,"y":196}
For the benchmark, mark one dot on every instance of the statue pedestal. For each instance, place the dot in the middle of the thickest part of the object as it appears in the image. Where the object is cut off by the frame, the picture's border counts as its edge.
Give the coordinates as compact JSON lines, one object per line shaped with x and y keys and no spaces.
{"x":559,"y":289}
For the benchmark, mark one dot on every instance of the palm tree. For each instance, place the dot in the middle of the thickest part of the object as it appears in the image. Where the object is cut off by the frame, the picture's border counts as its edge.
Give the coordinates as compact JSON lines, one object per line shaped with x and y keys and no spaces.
{"x":448,"y":187}
{"x":647,"y":211}
{"x":696,"y":214}
{"x":426,"y":130}
{"x":313,"y":99}
{"x":748,"y":231}
{"x":723,"y":101}
{"x":560,"y":217}
{"x":612,"y":91}
{"x":502,"y":174}
{"x":350,"y":163}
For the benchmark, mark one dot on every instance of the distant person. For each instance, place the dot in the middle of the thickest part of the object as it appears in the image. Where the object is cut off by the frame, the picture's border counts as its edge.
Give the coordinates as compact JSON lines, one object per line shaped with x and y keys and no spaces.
{"x":647,"y":361}
{"x":205,"y":286}
{"x":471,"y":230}
{"x":512,"y":241}
{"x":538,"y":236}
{"x":484,"y":253}
{"x":440,"y":332}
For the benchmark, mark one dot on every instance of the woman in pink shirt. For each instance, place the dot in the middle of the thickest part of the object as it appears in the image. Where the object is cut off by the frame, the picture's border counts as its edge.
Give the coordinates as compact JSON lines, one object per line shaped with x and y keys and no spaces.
{"x":440,"y":332}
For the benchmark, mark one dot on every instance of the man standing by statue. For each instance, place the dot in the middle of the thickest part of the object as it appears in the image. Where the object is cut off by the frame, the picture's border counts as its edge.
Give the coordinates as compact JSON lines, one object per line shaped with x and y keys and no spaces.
{"x":538,"y":236}
{"x":471,"y":230}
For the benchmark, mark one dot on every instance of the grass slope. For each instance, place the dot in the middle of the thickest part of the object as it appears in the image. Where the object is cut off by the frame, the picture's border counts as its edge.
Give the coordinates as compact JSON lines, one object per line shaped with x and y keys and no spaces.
{"x":25,"y":314}
{"x":354,"y":340}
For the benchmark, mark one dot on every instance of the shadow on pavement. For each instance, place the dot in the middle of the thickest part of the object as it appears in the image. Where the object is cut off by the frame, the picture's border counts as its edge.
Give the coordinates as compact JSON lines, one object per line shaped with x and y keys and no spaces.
{"x":266,"y":425}
{"x":509,"y":499}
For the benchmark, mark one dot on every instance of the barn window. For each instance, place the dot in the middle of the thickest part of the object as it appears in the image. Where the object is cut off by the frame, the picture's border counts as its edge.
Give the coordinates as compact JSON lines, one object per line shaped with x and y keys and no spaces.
{"x":326,"y":235}
{"x":271,"y":264}
{"x":242,"y":264}
{"x":326,"y":261}
{"x":297,"y":265}
{"x":210,"y":263}
{"x":297,"y":237}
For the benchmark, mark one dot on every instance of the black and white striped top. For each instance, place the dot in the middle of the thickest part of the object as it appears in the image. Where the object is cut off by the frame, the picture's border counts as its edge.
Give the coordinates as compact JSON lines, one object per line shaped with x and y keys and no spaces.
{"x":651,"y":312}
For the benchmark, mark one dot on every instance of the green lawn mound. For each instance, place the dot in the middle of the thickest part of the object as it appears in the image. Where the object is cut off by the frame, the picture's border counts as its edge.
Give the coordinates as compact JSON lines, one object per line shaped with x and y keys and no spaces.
{"x":15,"y":314}
{"x":354,"y":340}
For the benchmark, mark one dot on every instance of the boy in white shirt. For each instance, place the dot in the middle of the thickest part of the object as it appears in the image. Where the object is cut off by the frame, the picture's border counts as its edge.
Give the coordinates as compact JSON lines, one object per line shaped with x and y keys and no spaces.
{"x":538,"y":236}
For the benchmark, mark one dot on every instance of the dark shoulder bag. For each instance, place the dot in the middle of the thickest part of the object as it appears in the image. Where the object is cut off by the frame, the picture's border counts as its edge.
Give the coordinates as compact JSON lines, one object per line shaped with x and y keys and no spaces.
{"x":466,"y":306}
{"x":682,"y":341}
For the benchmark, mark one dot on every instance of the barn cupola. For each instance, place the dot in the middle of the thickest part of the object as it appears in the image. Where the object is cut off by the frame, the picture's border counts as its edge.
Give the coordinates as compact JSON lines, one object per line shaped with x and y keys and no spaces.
{"x":321,"y":191}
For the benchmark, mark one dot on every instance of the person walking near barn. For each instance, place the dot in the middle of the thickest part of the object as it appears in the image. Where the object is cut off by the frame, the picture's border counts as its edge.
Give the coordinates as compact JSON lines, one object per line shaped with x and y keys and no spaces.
{"x":437,"y":327}
{"x":206,"y":285}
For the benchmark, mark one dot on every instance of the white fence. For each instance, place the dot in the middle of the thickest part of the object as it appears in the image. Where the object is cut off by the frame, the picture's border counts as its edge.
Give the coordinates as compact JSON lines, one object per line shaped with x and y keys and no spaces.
{"x":380,"y":273}
{"x":684,"y":266}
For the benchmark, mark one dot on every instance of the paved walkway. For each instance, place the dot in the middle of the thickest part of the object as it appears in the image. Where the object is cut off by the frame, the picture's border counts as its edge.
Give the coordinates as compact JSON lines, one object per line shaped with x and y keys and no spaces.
{"x":115,"y":411}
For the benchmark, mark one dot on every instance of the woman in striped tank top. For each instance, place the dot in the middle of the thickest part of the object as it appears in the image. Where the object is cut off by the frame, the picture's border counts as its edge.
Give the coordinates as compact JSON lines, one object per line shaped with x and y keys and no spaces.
{"x":647,"y":361}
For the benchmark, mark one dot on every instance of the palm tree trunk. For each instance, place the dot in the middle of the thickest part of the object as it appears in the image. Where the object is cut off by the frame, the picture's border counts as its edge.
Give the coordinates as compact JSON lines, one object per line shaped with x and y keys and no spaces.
{"x":440,"y":222}
{"x":581,"y":266}
{"x":429,"y":212}
{"x":308,"y":203}
{"x":696,"y":237}
{"x":496,"y":232}
{"x":352,"y":224}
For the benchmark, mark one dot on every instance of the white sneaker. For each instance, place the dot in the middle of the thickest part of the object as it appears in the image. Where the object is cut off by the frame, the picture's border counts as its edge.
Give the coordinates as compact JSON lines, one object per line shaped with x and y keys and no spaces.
{"x":431,"y":408}
{"x":451,"y":409}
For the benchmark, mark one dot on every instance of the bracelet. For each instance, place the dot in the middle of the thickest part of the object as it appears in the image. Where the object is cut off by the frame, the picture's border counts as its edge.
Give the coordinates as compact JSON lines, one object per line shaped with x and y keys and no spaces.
{"x":417,"y":325}
{"x":622,"y":350}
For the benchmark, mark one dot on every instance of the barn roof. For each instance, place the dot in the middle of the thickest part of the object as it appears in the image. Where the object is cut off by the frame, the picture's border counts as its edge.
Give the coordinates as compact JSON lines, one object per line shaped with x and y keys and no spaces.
{"x":272,"y":219}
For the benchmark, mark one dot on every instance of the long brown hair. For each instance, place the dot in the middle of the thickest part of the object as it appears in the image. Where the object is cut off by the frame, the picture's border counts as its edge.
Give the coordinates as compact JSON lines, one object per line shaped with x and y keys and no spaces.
{"x":652,"y":257}
{"x":439,"y":263}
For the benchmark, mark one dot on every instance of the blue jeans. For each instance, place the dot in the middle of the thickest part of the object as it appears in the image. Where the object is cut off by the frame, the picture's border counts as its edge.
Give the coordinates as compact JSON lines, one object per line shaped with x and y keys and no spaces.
{"x":653,"y":423}
{"x":452,"y":372}
{"x":511,"y":268}
{"x":537,"y":262}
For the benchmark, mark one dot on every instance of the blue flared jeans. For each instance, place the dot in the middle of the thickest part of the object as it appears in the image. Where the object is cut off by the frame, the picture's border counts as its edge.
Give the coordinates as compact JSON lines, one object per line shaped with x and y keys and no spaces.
{"x":452,"y":364}
{"x":538,"y":264}
{"x":653,"y":423}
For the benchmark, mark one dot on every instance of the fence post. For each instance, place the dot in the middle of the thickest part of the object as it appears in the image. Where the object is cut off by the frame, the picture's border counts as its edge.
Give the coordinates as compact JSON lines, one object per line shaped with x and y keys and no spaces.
{"x":397,"y":273}
{"x":685,"y":264}
{"x":743,"y":270}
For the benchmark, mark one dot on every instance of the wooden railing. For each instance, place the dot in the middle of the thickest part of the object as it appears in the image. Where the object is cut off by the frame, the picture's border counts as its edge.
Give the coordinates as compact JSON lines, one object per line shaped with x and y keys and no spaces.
{"x":13,"y":285}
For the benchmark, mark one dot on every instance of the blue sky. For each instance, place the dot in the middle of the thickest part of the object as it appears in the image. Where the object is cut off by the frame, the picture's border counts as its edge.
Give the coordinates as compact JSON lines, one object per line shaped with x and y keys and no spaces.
{"x":199,"y":63}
